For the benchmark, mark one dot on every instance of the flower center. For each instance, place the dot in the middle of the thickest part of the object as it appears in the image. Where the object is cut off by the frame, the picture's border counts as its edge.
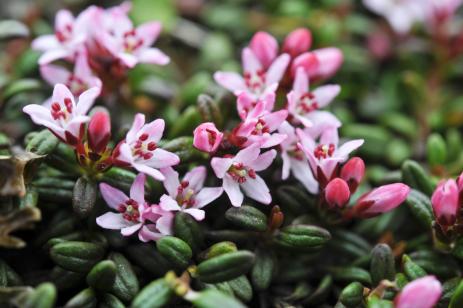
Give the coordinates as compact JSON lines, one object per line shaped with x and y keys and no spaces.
{"x":307,"y":103}
{"x":131,"y":41}
{"x":61,"y":112}
{"x":238,"y":172}
{"x":129,"y":210}
{"x":296,"y":152}
{"x":185,"y":195}
{"x":76,"y":85}
{"x":255,"y":81}
{"x":324,"y":150}
{"x":144,"y":149}
{"x":65,"y":33}
{"x":261,"y":128}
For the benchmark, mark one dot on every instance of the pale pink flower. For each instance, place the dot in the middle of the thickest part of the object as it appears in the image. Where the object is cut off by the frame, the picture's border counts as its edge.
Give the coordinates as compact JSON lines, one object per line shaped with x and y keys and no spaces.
{"x":380,"y":200}
{"x":78,"y":81}
{"x":441,"y":11}
{"x":129,"y":44}
{"x":337,"y":193}
{"x":246,"y":103}
{"x":265,"y":47}
{"x":352,"y":172}
{"x":207,"y":138}
{"x":303,"y":104}
{"x":70,"y":34}
{"x":64,"y":117}
{"x":134,"y":213}
{"x":260,"y":126}
{"x":294,"y":160}
{"x":297,"y":42}
{"x":423,"y":292}
{"x":258,"y":81}
{"x":140,"y":148}
{"x":188,"y":195}
{"x":445,"y":202}
{"x":239,"y":173}
{"x":330,"y":60}
{"x":401,"y":15}
{"x":327,"y":154}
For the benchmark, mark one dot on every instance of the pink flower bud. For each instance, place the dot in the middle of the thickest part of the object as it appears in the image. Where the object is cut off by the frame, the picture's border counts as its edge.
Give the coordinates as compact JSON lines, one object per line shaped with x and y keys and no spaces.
{"x":423,"y":293}
{"x":309,"y":61}
{"x":207,"y":137}
{"x":380,"y":200}
{"x":99,"y":132}
{"x":297,"y":42}
{"x":352,"y":172}
{"x":445,"y":202}
{"x":330,"y":60}
{"x":337,"y":193}
{"x":265,"y":47}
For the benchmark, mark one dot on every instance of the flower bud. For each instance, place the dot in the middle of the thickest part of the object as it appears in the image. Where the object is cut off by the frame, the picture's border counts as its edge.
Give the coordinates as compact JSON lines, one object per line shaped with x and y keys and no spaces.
{"x":337,"y":193}
{"x":265,"y":47}
{"x":380,"y":200}
{"x":207,"y":137}
{"x":352,"y":172}
{"x":309,"y":61}
{"x":330,"y":60}
{"x":423,"y":292}
{"x":445,"y":202}
{"x":99,"y":132}
{"x":297,"y":42}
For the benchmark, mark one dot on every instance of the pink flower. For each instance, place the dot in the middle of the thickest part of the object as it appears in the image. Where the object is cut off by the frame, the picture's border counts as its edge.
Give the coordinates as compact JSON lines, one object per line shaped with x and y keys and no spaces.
{"x":380,"y":200}
{"x":352,"y":172}
{"x":188,"y":195}
{"x":401,"y":15}
{"x":64,"y":117}
{"x":246,"y":103}
{"x":294,"y":159}
{"x":337,"y":193}
{"x":69,"y":36}
{"x":330,"y":60}
{"x":265,"y":47}
{"x":259,"y":127}
{"x":297,"y":42}
{"x":258,"y":81}
{"x":99,"y":132}
{"x":445,"y":202}
{"x":126,"y":43}
{"x":134,"y":213}
{"x":420,"y":293}
{"x":239,"y":173}
{"x":140,"y":148}
{"x":325,"y":156}
{"x":441,"y":11}
{"x":207,"y":138}
{"x":303,"y":105}
{"x":78,"y":81}
{"x":308,"y":61}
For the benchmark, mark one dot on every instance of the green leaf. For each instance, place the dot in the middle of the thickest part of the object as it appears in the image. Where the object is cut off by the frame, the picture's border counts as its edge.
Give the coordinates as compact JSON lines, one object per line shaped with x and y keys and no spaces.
{"x":210,"y":298}
{"x":420,"y":206}
{"x":77,"y":256}
{"x":12,"y":28}
{"x":102,"y":275}
{"x":175,"y":251}
{"x":436,"y":150}
{"x":44,"y":296}
{"x":302,"y":237}
{"x":155,"y":294}
{"x":84,"y":196}
{"x":248,"y":218}
{"x":126,"y":284}
{"x":382,"y":264}
{"x":160,"y":10}
{"x":225,"y":267}
{"x":352,"y":295}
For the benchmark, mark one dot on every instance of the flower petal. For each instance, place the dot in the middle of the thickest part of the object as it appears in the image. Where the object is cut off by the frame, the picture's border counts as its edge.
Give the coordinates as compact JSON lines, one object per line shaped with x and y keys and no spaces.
{"x":250,"y":62}
{"x":197,"y":214}
{"x":113,"y":197}
{"x":196,"y":178}
{"x":162,"y":158}
{"x":167,"y":203}
{"x":344,"y":150}
{"x":46,"y":42}
{"x":230,"y":81}
{"x":221,"y":165}
{"x":113,"y":221}
{"x":325,"y":94}
{"x":152,"y":56}
{"x":154,"y":173}
{"x":171,"y":182}
{"x":138,"y":122}
{"x":154,"y":129}
{"x":233,"y":191}
{"x":127,"y":231}
{"x":207,"y":195}
{"x":277,"y":69}
{"x":149,"y":233}
{"x":137,"y":191}
{"x":86,"y":100}
{"x":248,"y":155}
{"x":301,"y":171}
{"x":149,"y":32}
{"x":257,"y":189}
{"x":264,"y":160}
{"x":54,"y":54}
{"x":54,"y":74}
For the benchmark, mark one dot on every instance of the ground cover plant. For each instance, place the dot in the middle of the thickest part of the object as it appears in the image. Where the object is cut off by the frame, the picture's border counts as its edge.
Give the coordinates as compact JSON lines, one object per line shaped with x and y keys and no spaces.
{"x":197,"y":153}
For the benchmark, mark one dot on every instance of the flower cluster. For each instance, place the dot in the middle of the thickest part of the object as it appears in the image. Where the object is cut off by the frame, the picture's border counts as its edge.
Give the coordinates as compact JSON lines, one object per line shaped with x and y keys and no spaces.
{"x":402,"y":15}
{"x":301,"y":133}
{"x":101,"y":42}
{"x":304,"y":135}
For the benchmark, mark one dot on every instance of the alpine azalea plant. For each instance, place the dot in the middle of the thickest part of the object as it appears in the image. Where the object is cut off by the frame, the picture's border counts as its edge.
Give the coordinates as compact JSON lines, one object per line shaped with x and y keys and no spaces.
{"x":262,"y":181}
